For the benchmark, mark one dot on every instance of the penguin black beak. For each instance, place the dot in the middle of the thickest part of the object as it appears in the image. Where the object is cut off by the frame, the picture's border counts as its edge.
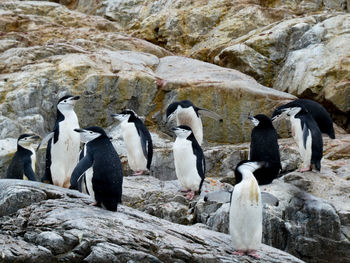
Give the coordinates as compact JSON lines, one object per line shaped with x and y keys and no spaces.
{"x":79,"y":130}
{"x":75,"y":98}
{"x":250,"y":118}
{"x":174,"y":129}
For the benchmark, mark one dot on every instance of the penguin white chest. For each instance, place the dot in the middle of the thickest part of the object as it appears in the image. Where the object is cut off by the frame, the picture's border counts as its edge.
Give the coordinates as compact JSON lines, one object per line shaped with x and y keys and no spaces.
{"x":65,"y":152}
{"x":246,"y":215}
{"x":136,"y":158}
{"x":185,"y":164}
{"x":188,"y":116}
{"x":305,"y":149}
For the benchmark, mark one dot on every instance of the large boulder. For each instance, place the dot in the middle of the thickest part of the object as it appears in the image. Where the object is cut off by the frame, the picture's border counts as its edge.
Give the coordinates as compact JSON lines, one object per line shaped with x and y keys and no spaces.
{"x":307,"y":57}
{"x":41,"y":223}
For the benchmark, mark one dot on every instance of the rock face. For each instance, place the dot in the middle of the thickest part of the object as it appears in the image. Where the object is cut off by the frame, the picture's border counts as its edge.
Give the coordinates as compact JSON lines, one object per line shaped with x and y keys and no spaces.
{"x":299,"y":47}
{"x":307,"y":57}
{"x":58,"y":225}
{"x":110,"y":71}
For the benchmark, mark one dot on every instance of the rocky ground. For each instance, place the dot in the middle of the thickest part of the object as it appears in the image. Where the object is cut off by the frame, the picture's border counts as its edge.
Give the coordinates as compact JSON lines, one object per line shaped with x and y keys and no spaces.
{"x":42,"y":223}
{"x":238,"y":58}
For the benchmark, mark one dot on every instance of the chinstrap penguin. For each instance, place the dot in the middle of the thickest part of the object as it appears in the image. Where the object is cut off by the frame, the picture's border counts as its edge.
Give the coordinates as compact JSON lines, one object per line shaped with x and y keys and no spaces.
{"x":264,"y":147}
{"x":245,"y":219}
{"x":63,"y":144}
{"x":137,"y":139}
{"x":186,"y":113}
{"x":107,"y":176}
{"x":189,"y":161}
{"x":307,"y":135}
{"x":318,"y":112}
{"x":22,"y":165}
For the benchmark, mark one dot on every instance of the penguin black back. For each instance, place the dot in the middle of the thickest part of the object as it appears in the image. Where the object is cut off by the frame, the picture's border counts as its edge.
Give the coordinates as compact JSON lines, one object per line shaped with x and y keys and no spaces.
{"x":107,"y":176}
{"x":318,"y":112}
{"x":21,"y":163}
{"x":264,"y":147}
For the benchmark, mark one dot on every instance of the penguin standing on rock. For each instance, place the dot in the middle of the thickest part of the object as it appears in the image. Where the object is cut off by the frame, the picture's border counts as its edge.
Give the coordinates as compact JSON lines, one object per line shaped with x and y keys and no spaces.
{"x":189,"y":161}
{"x":22,"y":165}
{"x":107,"y":172}
{"x":318,"y":112}
{"x":307,"y":135}
{"x":138,"y":141}
{"x":264,"y":147}
{"x":186,"y":113}
{"x":63,"y":145}
{"x":245,"y":219}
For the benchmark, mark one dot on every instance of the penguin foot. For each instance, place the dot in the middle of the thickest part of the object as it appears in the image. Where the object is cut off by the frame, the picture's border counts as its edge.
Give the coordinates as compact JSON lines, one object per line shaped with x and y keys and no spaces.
{"x":190,"y":195}
{"x":138,"y":172}
{"x":302,"y":170}
{"x":238,"y":252}
{"x":254,"y":254}
{"x":94,"y":204}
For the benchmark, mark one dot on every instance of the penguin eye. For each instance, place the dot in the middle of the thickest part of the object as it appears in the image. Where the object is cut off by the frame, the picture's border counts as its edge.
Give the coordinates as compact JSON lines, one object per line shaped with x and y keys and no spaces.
{"x":91,"y":132}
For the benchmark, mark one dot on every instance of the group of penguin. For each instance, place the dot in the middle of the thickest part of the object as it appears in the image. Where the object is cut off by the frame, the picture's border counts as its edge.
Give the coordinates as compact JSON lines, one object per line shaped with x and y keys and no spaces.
{"x":97,"y":170}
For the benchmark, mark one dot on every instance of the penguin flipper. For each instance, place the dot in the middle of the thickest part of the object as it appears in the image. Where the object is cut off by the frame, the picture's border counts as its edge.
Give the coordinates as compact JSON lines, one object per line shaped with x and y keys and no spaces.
{"x":305,"y":134}
{"x":45,"y":140}
{"x":28,"y":171}
{"x":210,"y":114}
{"x":79,"y":170}
{"x":146,"y":142}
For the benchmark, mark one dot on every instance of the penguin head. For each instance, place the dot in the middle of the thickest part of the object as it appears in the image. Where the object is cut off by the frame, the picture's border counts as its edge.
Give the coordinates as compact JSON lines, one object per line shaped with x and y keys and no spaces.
{"x":125,"y":115}
{"x":26,"y":140}
{"x":67,"y":103}
{"x":182,"y":131}
{"x":261,"y":120}
{"x":248,"y":166}
{"x":91,"y":133}
{"x":174,"y":108}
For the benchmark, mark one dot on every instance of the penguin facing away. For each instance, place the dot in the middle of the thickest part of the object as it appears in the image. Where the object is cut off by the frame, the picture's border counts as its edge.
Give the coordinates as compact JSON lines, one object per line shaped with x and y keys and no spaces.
{"x":307,"y":136}
{"x":318,"y":112}
{"x":264,"y":147}
{"x":22,"y":165}
{"x":245,"y":218}
{"x":189,"y":161}
{"x":138,"y":141}
{"x":107,"y":176}
{"x":186,"y":113}
{"x":63,"y":144}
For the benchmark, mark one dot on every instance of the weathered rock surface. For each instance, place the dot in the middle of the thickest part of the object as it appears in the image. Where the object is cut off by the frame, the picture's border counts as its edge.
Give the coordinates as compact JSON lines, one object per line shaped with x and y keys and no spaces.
{"x":110,"y":71}
{"x":301,"y":48}
{"x":307,"y":57}
{"x":55,"y":224}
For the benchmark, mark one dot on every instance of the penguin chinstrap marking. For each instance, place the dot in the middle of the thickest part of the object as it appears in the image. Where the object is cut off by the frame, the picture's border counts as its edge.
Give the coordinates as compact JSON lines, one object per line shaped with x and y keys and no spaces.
{"x":63,"y":145}
{"x":186,"y":113}
{"x":245,"y":218}
{"x":189,"y":160}
{"x":318,"y":112}
{"x":107,"y":172}
{"x":264,"y":147}
{"x":138,"y":141}
{"x":22,"y":165}
{"x":307,"y":136}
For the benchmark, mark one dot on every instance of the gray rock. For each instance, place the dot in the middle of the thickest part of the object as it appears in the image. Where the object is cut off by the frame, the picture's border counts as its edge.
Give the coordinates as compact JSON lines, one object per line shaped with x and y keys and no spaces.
{"x":91,"y":234}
